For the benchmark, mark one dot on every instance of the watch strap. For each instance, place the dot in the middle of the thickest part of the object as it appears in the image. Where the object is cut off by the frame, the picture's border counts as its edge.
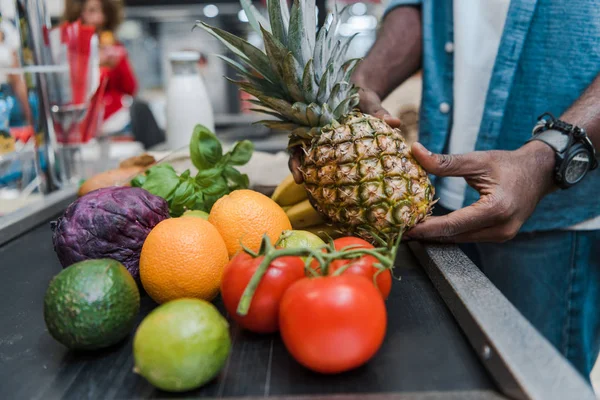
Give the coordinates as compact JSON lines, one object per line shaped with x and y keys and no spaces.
{"x":556,"y":139}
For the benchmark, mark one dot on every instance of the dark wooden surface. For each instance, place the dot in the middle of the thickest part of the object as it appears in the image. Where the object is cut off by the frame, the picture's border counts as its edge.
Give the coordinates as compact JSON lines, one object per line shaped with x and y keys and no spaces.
{"x":425,"y":355}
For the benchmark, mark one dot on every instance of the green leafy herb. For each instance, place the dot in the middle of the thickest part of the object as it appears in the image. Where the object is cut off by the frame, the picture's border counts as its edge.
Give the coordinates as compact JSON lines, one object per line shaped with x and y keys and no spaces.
{"x":138,"y":181}
{"x":241,"y":153}
{"x":205,"y":148}
{"x":161,"y":180}
{"x":235,"y":179}
{"x":216,"y":175}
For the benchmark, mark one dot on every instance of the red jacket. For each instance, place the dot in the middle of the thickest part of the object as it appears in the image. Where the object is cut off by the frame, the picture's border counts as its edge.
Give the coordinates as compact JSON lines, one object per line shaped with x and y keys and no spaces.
{"x":121,"y":82}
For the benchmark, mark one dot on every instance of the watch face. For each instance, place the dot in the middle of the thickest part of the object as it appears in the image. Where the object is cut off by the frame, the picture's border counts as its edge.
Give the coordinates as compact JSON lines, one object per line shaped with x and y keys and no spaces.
{"x":577,"y":166}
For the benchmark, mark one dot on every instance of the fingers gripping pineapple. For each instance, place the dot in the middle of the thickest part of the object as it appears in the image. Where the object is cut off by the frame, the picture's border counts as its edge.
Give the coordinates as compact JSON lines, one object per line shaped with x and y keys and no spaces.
{"x":358,"y":171}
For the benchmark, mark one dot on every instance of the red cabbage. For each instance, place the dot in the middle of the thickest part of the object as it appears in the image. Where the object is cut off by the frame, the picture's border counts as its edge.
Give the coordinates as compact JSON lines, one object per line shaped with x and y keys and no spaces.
{"x":108,"y":223}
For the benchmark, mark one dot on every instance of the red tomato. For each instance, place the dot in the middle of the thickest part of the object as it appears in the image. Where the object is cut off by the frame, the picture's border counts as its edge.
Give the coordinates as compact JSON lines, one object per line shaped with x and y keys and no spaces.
{"x":364,"y":266}
{"x":332,"y":324}
{"x":263,"y":315}
{"x":358,"y":243}
{"x":343,"y":242}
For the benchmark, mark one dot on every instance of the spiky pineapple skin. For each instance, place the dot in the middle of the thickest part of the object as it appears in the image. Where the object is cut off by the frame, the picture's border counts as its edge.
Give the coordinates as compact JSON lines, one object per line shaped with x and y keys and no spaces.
{"x":360,"y":174}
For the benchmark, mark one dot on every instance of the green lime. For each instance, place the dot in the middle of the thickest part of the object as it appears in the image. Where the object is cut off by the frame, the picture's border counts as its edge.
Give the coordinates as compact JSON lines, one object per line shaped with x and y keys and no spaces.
{"x":181,"y":345}
{"x":91,"y":304}
{"x":195,"y":213}
{"x":300,"y":239}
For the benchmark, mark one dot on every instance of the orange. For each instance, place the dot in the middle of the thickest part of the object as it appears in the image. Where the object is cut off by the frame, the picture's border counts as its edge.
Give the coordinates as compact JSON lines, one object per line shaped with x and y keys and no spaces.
{"x":183,"y":257}
{"x":244,"y":216}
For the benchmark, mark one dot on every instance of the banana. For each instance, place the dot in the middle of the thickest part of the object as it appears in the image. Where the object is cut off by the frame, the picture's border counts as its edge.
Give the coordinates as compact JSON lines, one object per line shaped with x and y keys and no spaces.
{"x":303,"y":215}
{"x":289,"y":192}
{"x":323,"y":230}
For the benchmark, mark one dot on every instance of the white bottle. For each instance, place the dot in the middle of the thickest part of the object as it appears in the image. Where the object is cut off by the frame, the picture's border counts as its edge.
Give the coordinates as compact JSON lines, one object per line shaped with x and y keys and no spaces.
{"x":188,"y":103}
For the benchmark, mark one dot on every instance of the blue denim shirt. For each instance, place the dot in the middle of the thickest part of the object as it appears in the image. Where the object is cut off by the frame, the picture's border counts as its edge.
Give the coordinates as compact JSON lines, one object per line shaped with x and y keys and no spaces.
{"x":549,"y":53}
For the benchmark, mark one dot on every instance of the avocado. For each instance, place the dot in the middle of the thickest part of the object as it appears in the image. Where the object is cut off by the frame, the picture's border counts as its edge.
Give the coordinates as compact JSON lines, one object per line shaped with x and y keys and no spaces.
{"x":91,"y":304}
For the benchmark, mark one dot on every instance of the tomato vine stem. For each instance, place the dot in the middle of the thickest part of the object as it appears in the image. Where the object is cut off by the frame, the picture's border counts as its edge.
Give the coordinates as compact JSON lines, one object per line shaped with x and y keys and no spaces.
{"x":270,"y":254}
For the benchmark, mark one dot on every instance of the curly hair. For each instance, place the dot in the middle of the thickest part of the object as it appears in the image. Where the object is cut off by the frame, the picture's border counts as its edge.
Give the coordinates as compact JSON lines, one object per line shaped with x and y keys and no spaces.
{"x":112,"y":9}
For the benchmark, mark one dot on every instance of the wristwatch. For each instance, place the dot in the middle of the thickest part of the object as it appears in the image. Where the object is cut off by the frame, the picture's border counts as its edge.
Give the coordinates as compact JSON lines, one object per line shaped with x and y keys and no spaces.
{"x":575,"y":153}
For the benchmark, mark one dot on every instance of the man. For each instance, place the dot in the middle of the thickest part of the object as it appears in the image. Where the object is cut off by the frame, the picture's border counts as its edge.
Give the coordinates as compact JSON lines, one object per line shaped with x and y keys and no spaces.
{"x":490,"y":68}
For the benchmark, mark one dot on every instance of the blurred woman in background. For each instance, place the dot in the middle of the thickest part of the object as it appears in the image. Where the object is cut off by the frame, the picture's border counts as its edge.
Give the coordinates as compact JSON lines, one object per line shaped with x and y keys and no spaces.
{"x":12,"y":86}
{"x":106,"y":16}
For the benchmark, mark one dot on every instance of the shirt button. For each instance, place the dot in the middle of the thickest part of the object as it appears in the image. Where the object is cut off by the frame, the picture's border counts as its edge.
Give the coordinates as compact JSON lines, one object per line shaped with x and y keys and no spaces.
{"x":449,"y":47}
{"x":444,"y":108}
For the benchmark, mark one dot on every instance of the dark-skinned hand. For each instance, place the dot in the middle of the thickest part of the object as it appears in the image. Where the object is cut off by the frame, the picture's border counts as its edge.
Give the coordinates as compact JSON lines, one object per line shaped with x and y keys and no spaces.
{"x":510,"y":185}
{"x":370,"y":103}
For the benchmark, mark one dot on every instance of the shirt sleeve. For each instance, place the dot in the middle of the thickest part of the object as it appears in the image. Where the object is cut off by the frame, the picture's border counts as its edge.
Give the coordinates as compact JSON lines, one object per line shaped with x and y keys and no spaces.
{"x":122,"y":77}
{"x":399,"y":3}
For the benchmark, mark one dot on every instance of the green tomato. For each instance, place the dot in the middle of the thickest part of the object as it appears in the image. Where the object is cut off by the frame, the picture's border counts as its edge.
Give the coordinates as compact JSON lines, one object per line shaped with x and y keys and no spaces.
{"x":300,"y":239}
{"x":195,"y":214}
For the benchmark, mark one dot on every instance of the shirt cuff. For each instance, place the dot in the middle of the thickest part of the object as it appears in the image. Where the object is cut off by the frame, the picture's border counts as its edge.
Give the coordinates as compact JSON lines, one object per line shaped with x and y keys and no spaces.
{"x":399,"y":3}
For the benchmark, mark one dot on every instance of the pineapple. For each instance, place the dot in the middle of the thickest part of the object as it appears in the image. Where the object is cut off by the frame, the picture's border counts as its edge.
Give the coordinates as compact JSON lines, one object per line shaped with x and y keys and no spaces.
{"x":358,"y":171}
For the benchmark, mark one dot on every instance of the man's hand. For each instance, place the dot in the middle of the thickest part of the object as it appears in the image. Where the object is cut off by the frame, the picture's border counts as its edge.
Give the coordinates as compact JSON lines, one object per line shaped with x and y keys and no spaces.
{"x":370,"y":103}
{"x":510,"y":184}
{"x":294,"y":164}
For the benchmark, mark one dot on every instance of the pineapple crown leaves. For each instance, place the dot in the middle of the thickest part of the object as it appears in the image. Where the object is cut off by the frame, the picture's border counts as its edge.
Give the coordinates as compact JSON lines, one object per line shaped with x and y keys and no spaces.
{"x":255,"y":18}
{"x":301,"y":78}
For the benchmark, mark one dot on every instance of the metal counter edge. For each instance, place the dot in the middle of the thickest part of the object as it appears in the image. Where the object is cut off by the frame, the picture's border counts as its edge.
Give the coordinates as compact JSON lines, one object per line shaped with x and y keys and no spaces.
{"x":521,"y":361}
{"x":21,"y":221}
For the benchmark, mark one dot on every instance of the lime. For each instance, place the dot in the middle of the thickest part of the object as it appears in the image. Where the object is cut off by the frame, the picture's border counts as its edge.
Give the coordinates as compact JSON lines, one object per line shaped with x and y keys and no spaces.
{"x":195,"y":213}
{"x":181,"y":345}
{"x":91,"y":304}
{"x":300,"y":239}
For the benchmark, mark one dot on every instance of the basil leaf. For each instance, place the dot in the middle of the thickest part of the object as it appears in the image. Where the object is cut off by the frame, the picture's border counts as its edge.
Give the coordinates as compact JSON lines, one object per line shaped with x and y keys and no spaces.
{"x":225,"y":159}
{"x":218,"y":187}
{"x":206,"y":177}
{"x":209,"y":201}
{"x":235,"y":179}
{"x":241,"y":153}
{"x":209,"y":173}
{"x":205,"y":148}
{"x":185,"y":175}
{"x":199,"y":203}
{"x":161,"y":180}
{"x":183,"y":198}
{"x":138,"y":181}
